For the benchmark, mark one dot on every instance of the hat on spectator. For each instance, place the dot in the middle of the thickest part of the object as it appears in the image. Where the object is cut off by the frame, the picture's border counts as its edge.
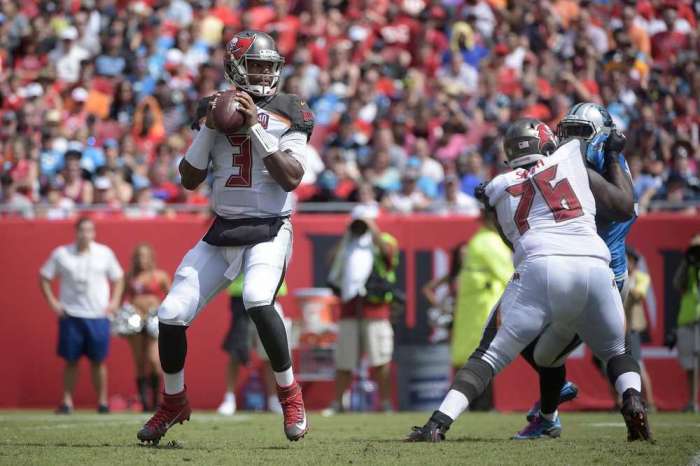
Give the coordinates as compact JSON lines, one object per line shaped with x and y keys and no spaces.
{"x":53,"y":116}
{"x":102,"y":183}
{"x":69,"y":33}
{"x":31,"y":90}
{"x":174,"y":58}
{"x":79,"y":94}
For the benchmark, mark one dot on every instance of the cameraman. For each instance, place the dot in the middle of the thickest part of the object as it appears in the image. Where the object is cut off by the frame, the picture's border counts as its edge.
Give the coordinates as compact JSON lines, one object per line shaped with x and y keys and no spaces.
{"x":363,"y":275}
{"x":687,"y":336}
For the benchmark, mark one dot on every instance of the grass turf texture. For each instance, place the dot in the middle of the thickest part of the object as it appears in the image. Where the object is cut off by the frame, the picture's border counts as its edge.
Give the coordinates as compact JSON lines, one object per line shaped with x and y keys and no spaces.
{"x":39,"y":437}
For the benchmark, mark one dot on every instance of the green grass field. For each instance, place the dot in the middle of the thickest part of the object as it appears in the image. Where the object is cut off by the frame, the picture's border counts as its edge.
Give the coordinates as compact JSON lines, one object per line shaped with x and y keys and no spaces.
{"x":39,"y":437}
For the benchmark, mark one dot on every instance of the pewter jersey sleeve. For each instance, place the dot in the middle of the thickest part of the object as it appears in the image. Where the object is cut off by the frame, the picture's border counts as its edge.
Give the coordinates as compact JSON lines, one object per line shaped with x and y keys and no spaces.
{"x":548,"y":209}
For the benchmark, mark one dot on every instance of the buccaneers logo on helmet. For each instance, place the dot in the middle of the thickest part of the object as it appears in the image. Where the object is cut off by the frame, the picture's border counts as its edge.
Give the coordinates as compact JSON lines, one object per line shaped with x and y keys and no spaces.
{"x":239,"y":46}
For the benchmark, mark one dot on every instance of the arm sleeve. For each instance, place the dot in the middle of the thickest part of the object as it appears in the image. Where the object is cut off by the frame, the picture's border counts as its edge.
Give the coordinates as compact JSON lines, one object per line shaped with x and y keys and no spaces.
{"x":199,"y":151}
{"x":294,"y":143}
{"x":114,"y":270}
{"x":48,"y":270}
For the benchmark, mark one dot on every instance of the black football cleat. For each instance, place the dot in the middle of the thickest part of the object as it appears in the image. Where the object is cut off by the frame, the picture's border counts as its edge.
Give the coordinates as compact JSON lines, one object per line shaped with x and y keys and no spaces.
{"x":433,"y":431}
{"x":635,"y":414}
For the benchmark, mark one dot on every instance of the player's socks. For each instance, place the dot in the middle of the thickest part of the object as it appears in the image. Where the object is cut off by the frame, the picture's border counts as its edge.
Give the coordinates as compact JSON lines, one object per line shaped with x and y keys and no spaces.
{"x":551,"y":416}
{"x":628,"y":380}
{"x":284,"y":378}
{"x":273,"y":336}
{"x":552,"y":379}
{"x":623,"y":373}
{"x":229,"y":397}
{"x":174,"y":383}
{"x":172,"y":350}
{"x":454,"y":404}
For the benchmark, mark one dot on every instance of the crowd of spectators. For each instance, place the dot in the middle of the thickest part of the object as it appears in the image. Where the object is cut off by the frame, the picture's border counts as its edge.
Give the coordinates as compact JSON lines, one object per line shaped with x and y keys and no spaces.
{"x":411,"y":97}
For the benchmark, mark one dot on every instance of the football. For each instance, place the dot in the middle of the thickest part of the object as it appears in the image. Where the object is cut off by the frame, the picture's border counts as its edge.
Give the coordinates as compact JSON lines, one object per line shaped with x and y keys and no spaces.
{"x":225,"y":114}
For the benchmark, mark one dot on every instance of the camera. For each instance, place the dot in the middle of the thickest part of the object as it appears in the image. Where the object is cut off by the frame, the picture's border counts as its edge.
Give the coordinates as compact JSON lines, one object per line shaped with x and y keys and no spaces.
{"x":692,"y":255}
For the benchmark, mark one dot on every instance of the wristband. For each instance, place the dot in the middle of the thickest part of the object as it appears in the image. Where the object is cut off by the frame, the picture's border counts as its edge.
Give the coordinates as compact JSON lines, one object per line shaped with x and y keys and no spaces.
{"x":198,"y":153}
{"x":267,"y":142}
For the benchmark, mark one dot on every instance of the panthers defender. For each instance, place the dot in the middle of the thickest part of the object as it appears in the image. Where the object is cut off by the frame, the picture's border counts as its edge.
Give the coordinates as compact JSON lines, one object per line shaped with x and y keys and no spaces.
{"x":254,"y":170}
{"x":546,"y":209}
{"x":592,"y":124}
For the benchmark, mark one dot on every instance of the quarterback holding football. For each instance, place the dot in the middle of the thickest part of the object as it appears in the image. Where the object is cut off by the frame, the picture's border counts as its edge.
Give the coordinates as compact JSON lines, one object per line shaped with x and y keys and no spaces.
{"x":254,"y":141}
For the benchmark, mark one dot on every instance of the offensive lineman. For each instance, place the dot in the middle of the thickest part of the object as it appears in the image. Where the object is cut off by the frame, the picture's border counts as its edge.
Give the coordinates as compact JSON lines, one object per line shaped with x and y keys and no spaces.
{"x":253,"y":170}
{"x":592,"y":124}
{"x":546,"y":208}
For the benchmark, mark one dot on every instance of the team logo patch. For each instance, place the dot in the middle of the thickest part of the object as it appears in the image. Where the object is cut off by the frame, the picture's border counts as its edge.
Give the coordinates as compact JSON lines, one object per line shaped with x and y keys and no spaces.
{"x":545,"y":134}
{"x":239,"y":46}
{"x":307,"y":115}
{"x":263,"y":119}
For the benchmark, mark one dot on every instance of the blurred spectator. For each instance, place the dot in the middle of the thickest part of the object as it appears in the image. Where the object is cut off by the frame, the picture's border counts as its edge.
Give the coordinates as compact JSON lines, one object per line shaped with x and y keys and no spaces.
{"x":639,"y":283}
{"x":13,"y":202}
{"x":146,"y":287}
{"x":363,"y":275}
{"x":385,"y":80}
{"x":687,"y":334}
{"x":470,"y":168}
{"x":74,"y":186}
{"x":83,"y":306}
{"x":408,"y":199}
{"x":486,"y":267}
{"x":58,"y":206}
{"x":455,"y":201}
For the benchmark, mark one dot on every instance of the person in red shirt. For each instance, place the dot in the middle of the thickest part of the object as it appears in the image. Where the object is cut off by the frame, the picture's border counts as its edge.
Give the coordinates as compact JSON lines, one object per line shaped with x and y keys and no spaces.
{"x":284,"y":27}
{"x":667,"y":44}
{"x":364,"y":326}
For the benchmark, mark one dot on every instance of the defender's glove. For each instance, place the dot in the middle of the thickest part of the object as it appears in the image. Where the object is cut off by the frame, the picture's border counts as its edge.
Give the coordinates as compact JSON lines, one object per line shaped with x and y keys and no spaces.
{"x":480,"y":194}
{"x":595,"y":151}
{"x":616,"y":142}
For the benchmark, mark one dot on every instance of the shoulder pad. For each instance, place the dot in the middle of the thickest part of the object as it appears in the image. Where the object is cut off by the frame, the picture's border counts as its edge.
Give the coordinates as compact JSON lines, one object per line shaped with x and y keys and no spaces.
{"x":297,"y":110}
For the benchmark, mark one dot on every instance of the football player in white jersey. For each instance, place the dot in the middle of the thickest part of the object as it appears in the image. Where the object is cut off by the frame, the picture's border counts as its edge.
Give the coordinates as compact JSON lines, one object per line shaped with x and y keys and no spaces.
{"x":546,"y":209}
{"x":254,"y":171}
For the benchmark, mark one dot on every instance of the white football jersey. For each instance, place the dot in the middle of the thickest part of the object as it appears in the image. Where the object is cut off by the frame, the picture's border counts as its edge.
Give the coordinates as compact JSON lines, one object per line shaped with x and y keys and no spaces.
{"x":548,"y":209}
{"x":243,"y":187}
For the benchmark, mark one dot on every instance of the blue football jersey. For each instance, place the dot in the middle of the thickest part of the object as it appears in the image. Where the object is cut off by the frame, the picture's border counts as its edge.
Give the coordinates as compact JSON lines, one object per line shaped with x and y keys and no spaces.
{"x":614,"y":235}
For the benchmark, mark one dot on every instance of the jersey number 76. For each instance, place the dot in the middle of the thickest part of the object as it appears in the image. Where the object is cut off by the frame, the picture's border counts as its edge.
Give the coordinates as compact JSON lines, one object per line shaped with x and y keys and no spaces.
{"x":560,"y":198}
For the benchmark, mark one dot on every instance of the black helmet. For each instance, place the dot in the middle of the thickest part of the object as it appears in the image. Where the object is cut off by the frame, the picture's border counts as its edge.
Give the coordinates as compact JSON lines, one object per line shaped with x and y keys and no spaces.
{"x":584,"y":121}
{"x":527,"y":140}
{"x":245,"y":48}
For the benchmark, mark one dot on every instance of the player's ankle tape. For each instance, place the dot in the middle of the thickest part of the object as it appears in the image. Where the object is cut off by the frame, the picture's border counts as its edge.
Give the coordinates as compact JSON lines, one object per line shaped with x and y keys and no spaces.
{"x":267,"y":142}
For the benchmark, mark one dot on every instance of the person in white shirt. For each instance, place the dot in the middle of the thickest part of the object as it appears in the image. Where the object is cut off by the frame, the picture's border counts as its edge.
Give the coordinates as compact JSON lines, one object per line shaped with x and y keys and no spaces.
{"x":455,"y":201}
{"x":85,"y":269}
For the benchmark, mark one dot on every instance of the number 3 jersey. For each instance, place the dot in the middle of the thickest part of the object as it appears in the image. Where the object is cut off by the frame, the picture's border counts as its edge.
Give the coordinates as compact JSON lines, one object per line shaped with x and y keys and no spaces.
{"x":548,"y":209}
{"x":243,"y":187}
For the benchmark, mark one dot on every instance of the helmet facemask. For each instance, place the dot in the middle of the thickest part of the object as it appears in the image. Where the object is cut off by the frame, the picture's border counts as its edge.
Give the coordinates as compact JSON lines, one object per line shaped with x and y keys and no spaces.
{"x":572,"y":128}
{"x":258,"y":74}
{"x":584,"y":121}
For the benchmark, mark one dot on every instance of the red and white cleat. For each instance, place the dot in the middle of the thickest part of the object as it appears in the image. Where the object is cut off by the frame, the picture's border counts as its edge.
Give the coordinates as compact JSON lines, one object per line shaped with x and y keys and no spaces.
{"x":173,"y":409}
{"x":295,"y":423}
